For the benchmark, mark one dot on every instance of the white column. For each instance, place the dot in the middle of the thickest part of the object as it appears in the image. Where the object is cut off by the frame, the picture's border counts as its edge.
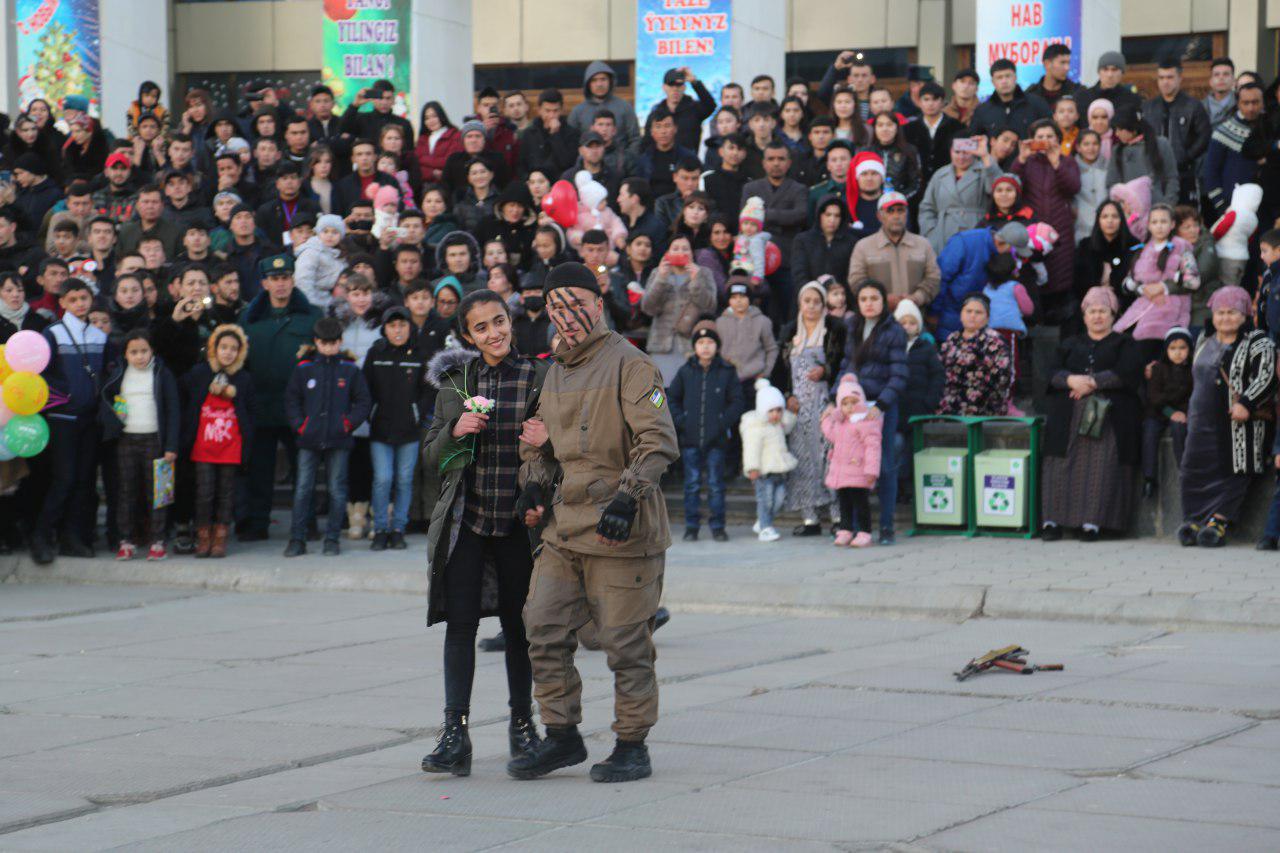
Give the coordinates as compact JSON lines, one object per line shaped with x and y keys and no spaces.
{"x":135,"y":37}
{"x":442,"y":65}
{"x":1100,"y":32}
{"x":759,"y":43}
{"x":1246,"y":27}
{"x":933,"y":44}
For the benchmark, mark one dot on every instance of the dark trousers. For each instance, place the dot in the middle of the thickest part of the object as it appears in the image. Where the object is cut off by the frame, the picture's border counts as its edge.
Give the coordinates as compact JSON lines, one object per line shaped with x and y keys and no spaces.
{"x":215,"y":493}
{"x":887,"y":485}
{"x":464,"y":575}
{"x":705,"y":465}
{"x":73,"y":453}
{"x":855,"y":509}
{"x":253,"y":509}
{"x":304,"y":491}
{"x":782,"y":302}
{"x":1272,"y":530}
{"x":360,"y":473}
{"x":109,"y":464}
{"x":135,"y":453}
{"x":1151,"y":430}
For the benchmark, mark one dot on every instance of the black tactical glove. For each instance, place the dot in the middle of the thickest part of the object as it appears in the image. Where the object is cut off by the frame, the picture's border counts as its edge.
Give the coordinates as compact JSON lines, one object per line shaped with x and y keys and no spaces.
{"x":530,"y":498}
{"x":615,"y":521}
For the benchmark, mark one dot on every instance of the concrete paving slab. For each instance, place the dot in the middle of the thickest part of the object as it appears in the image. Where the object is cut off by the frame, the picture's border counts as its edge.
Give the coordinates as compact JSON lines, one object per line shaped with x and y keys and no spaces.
{"x":855,"y":704}
{"x":647,"y":840}
{"x":1171,"y":799}
{"x":115,"y":827}
{"x":266,"y":742}
{"x":24,"y":808}
{"x":1220,"y":762}
{"x":173,"y":703}
{"x":26,"y":733}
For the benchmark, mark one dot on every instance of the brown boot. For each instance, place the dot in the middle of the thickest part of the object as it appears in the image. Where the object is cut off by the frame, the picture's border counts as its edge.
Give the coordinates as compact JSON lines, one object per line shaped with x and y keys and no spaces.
{"x":204,"y":541}
{"x":219,"y":548}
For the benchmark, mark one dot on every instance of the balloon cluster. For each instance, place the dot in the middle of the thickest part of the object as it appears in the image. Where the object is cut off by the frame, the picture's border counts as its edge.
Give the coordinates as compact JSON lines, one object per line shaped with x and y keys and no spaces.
{"x":23,"y":393}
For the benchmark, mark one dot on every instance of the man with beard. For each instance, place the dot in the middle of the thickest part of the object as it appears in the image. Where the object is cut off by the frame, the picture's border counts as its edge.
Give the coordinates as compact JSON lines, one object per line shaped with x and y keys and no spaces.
{"x":603,"y":423}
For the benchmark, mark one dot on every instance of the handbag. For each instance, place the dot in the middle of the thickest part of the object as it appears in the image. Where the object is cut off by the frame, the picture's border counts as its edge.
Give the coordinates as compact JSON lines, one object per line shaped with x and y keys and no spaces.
{"x":1094,"y":416}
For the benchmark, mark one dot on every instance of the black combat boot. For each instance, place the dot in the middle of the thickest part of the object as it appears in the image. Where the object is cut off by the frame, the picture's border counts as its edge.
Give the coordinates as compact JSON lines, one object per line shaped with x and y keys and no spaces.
{"x":453,"y":751}
{"x":629,"y":762}
{"x":522,"y":733}
{"x":562,"y":747}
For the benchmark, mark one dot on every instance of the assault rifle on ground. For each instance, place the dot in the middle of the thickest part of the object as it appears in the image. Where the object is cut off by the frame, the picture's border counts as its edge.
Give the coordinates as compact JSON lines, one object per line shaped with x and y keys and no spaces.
{"x":1012,"y":658}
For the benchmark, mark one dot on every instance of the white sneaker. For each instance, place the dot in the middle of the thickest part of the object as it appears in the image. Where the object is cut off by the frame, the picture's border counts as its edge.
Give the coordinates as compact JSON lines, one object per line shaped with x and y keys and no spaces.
{"x":755,"y":527}
{"x":769,"y":534}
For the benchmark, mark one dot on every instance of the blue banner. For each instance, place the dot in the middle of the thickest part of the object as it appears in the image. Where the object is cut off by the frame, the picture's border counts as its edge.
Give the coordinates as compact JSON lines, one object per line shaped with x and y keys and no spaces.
{"x":1020,"y":31}
{"x":680,"y":33}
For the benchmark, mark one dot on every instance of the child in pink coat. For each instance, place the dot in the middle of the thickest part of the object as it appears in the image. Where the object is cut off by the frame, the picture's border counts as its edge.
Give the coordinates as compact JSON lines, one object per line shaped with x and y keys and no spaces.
{"x":854,"y":460}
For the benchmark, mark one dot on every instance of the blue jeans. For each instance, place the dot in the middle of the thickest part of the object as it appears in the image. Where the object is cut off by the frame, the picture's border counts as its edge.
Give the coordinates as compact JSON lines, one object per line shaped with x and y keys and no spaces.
{"x":392,"y":463}
{"x":696,"y":462}
{"x":335,"y":466}
{"x":887,"y":485}
{"x":1272,"y":530}
{"x":771,"y":494}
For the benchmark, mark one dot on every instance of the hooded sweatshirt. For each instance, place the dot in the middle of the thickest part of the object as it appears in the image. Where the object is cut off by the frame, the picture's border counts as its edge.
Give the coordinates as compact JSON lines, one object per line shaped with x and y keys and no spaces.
{"x":624,"y":114}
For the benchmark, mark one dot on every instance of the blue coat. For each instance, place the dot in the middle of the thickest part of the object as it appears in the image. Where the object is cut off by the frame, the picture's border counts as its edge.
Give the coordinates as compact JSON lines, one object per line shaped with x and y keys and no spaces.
{"x":883,"y":372}
{"x":705,"y":404}
{"x":326,"y":400}
{"x":963,"y":265}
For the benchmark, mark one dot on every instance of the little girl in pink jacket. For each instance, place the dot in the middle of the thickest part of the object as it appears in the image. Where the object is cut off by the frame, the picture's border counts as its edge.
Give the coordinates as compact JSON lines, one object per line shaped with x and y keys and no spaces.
{"x":854,"y":460}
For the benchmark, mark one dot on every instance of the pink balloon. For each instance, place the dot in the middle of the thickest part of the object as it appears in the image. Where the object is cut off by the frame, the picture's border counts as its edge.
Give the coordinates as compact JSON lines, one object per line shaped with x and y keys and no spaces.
{"x":27,"y":350}
{"x":5,"y":413}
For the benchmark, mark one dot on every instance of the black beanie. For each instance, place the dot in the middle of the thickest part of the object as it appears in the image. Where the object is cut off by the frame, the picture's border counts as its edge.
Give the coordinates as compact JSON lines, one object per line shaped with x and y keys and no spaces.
{"x":571,"y":274}
{"x":31,"y":162}
{"x":705,"y":332}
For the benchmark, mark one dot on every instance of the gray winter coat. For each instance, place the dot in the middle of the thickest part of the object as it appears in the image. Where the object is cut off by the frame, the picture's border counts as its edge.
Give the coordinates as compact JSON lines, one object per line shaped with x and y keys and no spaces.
{"x":1093,"y":192}
{"x":1130,"y":161}
{"x":747,"y":343}
{"x":317,"y":272}
{"x":624,"y":114}
{"x":666,"y":297}
{"x":950,"y":206}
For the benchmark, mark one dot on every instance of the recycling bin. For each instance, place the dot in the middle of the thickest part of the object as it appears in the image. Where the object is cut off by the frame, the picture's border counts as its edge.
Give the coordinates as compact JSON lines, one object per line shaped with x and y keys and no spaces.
{"x":1001,"y":488}
{"x":940,"y":486}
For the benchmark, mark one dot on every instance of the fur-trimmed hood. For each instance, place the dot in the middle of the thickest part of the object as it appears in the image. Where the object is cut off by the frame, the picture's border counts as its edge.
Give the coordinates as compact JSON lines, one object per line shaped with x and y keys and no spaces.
{"x":458,"y":238}
{"x":447,"y":361}
{"x":212,"y":346}
{"x":372,"y":318}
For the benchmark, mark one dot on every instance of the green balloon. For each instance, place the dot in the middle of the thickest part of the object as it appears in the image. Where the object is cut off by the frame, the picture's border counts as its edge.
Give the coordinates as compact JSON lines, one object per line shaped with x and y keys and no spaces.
{"x":26,"y":435}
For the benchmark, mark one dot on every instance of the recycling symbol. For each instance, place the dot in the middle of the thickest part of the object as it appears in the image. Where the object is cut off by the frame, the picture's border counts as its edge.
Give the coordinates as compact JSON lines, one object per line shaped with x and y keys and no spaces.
{"x":939,"y":500}
{"x":998,"y":502}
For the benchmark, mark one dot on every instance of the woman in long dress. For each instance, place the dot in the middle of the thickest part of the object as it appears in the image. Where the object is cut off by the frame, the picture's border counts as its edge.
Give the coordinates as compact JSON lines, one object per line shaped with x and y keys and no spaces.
{"x":813,"y":345}
{"x":1089,"y":480}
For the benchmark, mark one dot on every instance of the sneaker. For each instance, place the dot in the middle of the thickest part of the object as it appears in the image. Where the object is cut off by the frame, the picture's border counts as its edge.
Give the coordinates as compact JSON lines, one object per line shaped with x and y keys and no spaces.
{"x":295,"y":548}
{"x":863,"y":539}
{"x":1268,"y":543}
{"x":379,"y":542}
{"x":809,"y":528}
{"x":157,"y":551}
{"x":843,"y":538}
{"x":691,"y":534}
{"x":768,"y":534}
{"x":755,"y":528}
{"x":719,"y":535}
{"x":1090,"y":534}
{"x":331,"y":548}
{"x":1051,"y":532}
{"x":886,"y":537}
{"x":126,"y":551}
{"x":396,"y":541}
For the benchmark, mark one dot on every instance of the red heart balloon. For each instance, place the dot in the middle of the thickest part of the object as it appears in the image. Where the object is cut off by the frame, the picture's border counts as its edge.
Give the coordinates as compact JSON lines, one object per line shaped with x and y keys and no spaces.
{"x":561,"y":204}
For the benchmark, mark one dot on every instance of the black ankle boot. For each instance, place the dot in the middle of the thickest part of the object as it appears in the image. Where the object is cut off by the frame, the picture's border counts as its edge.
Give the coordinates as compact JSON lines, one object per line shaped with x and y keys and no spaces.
{"x":629,"y":762}
{"x":522,"y":733}
{"x":453,"y":751}
{"x":562,"y":747}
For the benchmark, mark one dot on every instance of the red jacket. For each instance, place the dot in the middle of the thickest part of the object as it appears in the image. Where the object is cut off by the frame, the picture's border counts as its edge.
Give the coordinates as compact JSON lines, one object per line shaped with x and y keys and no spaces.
{"x":432,"y":161}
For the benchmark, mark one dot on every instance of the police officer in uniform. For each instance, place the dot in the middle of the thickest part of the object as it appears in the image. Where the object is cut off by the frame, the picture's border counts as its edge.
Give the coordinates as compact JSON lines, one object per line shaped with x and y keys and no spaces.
{"x":603,"y":427}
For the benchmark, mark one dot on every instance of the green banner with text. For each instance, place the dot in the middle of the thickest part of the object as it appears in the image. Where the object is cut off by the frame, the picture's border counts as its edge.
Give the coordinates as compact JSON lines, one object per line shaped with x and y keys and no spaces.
{"x":365,"y":41}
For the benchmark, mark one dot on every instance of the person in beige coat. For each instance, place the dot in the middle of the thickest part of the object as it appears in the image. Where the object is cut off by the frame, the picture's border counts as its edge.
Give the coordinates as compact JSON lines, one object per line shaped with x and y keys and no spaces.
{"x":903,"y":262}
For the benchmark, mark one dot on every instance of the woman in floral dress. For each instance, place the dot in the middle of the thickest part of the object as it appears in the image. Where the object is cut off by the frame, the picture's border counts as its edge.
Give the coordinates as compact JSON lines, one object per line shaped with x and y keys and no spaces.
{"x":976,"y":364}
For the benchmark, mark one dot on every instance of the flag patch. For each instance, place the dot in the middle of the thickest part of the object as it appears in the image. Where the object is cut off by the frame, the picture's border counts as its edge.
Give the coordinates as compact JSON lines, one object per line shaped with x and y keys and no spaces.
{"x":657,"y":398}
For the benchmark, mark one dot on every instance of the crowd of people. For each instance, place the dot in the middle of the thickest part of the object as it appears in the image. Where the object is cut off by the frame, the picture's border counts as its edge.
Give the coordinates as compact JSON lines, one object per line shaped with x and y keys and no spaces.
{"x":255,"y":292}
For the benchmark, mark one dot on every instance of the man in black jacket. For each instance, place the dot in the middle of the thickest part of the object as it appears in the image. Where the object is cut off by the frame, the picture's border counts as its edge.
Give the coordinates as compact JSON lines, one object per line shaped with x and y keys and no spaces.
{"x":276,"y":216}
{"x":725,"y":184}
{"x":549,"y":143}
{"x":326,"y":128}
{"x":1110,"y":85}
{"x":1182,"y":120}
{"x":1055,"y":83}
{"x":368,"y":124}
{"x":689,"y":113}
{"x":932,"y":133}
{"x":1008,"y":105}
{"x":348,"y":190}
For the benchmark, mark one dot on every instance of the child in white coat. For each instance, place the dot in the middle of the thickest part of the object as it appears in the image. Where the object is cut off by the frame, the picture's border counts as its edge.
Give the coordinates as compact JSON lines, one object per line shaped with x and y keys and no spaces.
{"x":320,"y":262}
{"x":765,"y":457}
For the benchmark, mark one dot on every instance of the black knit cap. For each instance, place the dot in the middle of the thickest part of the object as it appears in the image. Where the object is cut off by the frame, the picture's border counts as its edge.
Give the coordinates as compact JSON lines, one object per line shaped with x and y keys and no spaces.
{"x":571,"y":274}
{"x":705,"y":332}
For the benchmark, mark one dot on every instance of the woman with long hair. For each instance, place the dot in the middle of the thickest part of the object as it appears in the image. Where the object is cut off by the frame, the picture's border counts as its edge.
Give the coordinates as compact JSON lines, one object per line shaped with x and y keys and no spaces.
{"x":792,"y":125}
{"x":437,"y":139}
{"x":1138,"y":150}
{"x":481,"y":552}
{"x":317,"y":177}
{"x":437,"y":216}
{"x":717,"y":255}
{"x":849,"y":125}
{"x":693,"y":221}
{"x":1093,"y":181}
{"x":391,"y":141}
{"x":1107,"y":255}
{"x":1007,"y":202}
{"x":901,"y":160}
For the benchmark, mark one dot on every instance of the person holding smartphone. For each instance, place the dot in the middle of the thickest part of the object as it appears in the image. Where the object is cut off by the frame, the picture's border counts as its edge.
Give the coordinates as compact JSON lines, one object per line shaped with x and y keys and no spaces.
{"x":678,"y":294}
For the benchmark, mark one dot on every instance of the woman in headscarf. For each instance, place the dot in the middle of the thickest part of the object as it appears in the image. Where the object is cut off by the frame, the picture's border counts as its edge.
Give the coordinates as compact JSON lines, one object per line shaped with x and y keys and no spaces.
{"x":1101,"y":111}
{"x":812,"y":346}
{"x":1050,"y":181}
{"x":1229,"y":419}
{"x":1092,"y":441}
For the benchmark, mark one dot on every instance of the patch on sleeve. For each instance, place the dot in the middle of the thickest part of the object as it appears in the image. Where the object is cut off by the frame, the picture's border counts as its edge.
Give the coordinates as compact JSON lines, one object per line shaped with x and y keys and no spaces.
{"x":657,"y":398}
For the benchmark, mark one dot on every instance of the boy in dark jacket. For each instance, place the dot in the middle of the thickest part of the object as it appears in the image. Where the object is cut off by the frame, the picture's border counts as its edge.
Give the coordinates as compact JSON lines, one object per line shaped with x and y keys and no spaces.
{"x":706,"y":401}
{"x":395,"y":370}
{"x":142,"y":415}
{"x":326,"y":399}
{"x":217,"y":432}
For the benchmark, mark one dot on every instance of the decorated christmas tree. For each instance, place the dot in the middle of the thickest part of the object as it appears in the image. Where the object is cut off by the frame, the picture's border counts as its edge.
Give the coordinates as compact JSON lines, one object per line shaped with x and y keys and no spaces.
{"x":58,"y":70}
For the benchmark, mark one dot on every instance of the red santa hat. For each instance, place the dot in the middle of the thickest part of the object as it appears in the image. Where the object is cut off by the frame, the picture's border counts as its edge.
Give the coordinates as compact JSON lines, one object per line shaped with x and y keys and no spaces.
{"x":868,"y":160}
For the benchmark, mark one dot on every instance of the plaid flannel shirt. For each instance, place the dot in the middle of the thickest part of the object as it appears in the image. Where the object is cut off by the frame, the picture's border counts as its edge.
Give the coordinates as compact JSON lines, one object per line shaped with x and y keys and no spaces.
{"x":491,"y":481}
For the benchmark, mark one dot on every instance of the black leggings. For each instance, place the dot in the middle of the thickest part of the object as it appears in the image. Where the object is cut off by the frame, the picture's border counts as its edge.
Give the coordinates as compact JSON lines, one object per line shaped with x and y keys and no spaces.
{"x":855,"y":510}
{"x":513,"y":558}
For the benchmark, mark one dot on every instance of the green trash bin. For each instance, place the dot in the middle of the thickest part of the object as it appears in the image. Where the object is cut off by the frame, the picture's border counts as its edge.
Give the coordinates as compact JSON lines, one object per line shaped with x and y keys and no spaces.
{"x":1001,"y":488}
{"x":940,"y":486}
